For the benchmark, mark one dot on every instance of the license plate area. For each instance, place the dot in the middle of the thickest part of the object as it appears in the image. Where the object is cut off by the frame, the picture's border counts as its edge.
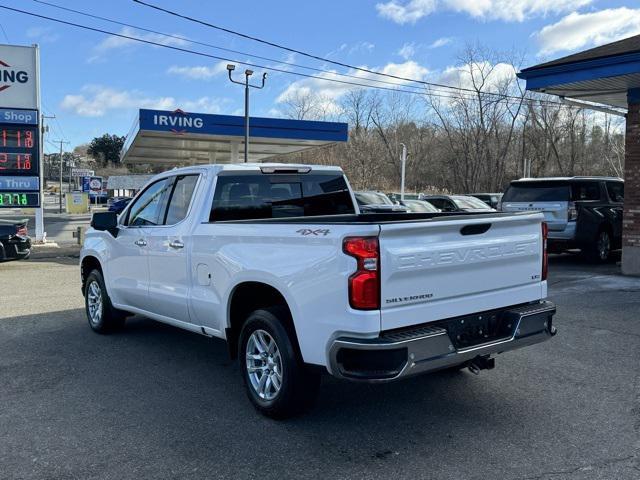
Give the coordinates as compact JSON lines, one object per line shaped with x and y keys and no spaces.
{"x":476,"y":329}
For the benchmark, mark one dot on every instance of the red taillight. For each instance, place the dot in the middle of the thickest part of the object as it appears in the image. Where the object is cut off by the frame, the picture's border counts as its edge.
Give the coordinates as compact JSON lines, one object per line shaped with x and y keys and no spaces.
{"x":22,"y":231}
{"x":364,"y":284}
{"x":545,"y":255}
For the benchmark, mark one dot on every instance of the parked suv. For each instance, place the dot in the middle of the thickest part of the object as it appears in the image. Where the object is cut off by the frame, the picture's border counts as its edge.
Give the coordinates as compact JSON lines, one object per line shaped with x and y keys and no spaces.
{"x":582,"y":212}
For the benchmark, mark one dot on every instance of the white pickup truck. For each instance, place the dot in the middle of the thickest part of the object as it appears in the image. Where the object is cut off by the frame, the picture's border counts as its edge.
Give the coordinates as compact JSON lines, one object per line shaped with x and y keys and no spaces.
{"x":278,"y":260}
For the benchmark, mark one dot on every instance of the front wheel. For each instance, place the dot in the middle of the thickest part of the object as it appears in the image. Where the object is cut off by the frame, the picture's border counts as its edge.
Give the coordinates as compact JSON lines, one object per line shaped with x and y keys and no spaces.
{"x":102,"y":316}
{"x":276,"y":380}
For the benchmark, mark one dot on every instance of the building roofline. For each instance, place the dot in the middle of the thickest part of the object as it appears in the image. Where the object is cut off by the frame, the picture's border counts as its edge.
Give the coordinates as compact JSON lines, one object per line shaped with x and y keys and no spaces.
{"x":613,"y":50}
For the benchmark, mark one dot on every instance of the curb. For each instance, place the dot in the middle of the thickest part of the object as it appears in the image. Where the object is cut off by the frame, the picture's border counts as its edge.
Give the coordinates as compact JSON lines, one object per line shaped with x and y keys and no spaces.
{"x":38,"y":253}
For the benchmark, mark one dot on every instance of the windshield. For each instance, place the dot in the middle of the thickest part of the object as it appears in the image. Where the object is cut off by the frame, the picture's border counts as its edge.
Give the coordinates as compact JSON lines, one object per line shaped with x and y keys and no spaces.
{"x":372,"y":198}
{"x":537,"y":192}
{"x":420,"y":206}
{"x":470,"y":202}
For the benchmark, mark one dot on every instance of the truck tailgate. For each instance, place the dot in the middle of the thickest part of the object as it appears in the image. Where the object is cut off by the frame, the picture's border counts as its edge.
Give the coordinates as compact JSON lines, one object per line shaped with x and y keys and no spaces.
{"x":458,"y":265}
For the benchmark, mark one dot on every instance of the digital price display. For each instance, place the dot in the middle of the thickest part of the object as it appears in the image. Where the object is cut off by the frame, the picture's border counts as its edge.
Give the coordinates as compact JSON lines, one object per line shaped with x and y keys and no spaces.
{"x":18,"y":151}
{"x":19,"y":159}
{"x":16,"y":162}
{"x":19,"y":199}
{"x":17,"y":138}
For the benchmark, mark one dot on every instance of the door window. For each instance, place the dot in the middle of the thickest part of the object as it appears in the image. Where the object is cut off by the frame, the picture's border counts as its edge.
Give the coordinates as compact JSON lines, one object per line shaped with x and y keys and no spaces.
{"x":148,"y":208}
{"x":616,"y":191}
{"x":180,"y":198}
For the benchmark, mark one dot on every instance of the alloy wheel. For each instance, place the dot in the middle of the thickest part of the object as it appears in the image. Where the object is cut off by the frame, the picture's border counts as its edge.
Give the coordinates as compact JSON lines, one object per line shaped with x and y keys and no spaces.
{"x":94,"y":302}
{"x":264,"y":365}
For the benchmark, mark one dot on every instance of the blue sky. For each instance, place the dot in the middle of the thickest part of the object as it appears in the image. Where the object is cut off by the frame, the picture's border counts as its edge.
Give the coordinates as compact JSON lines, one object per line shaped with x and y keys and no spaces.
{"x":95,"y":84}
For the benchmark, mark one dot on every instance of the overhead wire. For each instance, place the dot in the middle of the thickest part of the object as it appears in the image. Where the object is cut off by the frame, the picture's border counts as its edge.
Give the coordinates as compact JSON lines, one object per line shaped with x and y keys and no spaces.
{"x":317,"y":57}
{"x":209,"y":45}
{"x":216,"y":57}
{"x":4,"y":33}
{"x":276,"y":69}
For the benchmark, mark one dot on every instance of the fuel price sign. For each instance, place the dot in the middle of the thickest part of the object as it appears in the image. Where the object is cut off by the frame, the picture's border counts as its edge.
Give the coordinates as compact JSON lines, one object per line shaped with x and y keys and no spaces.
{"x":18,"y":151}
{"x":19,"y":159}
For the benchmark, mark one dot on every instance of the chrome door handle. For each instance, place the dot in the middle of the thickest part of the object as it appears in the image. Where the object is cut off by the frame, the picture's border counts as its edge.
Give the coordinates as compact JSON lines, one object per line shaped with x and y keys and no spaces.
{"x":141,"y":243}
{"x":176,"y":244}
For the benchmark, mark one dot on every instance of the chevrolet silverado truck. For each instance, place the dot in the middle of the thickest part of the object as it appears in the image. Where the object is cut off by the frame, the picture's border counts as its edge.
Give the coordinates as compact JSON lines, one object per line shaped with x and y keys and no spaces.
{"x":278,"y":261}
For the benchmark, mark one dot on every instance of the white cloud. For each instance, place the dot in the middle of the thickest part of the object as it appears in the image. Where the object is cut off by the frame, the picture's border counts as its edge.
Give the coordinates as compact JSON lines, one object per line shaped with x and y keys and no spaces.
{"x":406,"y":12}
{"x":352,"y":48}
{"x":410,"y":50}
{"x":441,"y":42}
{"x":330,"y":92}
{"x":42,"y":34}
{"x":115,"y":43}
{"x":407,"y":51}
{"x":410,"y":11}
{"x":579,"y":30}
{"x":200,"y":72}
{"x":97,"y":100}
{"x":465,"y":76}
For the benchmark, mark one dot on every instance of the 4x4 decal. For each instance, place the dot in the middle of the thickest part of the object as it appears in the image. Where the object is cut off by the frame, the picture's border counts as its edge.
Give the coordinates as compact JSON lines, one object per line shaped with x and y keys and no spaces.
{"x":305,"y":232}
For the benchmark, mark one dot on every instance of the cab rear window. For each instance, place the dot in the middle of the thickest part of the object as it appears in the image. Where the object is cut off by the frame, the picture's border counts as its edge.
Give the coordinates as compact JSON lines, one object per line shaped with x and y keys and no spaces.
{"x":259,"y":196}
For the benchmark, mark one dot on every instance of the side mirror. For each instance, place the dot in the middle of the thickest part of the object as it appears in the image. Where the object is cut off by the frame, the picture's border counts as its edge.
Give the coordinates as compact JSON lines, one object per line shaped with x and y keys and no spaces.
{"x":105,"y":221}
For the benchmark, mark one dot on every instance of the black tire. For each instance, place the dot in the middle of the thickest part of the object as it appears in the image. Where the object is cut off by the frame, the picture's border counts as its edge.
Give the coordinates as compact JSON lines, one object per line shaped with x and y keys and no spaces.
{"x":110,"y":319}
{"x":299,"y":384}
{"x":599,"y":251}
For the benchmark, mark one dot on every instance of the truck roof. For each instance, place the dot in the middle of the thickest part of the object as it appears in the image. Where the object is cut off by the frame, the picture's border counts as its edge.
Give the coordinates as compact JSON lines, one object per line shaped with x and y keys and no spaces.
{"x":256,"y":167}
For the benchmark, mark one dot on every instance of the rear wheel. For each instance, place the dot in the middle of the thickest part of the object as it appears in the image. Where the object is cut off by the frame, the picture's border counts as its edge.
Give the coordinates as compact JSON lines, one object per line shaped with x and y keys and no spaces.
{"x":102,"y":316}
{"x":276,"y":380}
{"x":600,"y":250}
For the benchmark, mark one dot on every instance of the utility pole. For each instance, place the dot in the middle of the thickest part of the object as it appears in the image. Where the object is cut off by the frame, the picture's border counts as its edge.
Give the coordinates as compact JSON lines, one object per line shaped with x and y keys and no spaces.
{"x":403,"y":159}
{"x":247,"y":85}
{"x":62,"y":142}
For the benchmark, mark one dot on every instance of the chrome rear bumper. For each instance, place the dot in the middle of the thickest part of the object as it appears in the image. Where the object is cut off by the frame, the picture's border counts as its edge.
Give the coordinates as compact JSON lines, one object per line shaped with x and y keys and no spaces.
{"x":436,"y":346}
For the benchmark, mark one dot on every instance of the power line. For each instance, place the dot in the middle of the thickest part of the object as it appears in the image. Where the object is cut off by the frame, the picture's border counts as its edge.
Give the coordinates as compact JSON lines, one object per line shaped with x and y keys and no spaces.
{"x":215,"y":57}
{"x":275,"y":69}
{"x":4,"y":33}
{"x":292,"y":64}
{"x":316,"y":57}
{"x":217,"y":47}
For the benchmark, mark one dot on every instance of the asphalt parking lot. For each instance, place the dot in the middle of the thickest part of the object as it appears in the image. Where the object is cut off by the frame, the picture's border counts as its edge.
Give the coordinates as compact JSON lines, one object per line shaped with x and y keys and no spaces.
{"x":157,"y":402}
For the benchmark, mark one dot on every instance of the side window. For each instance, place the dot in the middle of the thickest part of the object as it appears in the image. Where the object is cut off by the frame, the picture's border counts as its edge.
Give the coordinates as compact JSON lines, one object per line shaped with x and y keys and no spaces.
{"x":585,"y":191}
{"x":180,"y":198}
{"x":437,"y":202}
{"x":148,"y":208}
{"x":450,"y":206}
{"x":616,"y":191}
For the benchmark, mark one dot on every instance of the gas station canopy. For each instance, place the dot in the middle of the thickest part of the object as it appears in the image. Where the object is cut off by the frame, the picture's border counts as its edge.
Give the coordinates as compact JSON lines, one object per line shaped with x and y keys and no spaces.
{"x":602,"y":75}
{"x":175,"y":138}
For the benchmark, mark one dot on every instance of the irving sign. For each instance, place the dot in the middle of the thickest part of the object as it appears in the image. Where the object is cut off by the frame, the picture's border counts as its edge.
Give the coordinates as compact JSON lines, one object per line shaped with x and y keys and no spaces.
{"x":18,"y":77}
